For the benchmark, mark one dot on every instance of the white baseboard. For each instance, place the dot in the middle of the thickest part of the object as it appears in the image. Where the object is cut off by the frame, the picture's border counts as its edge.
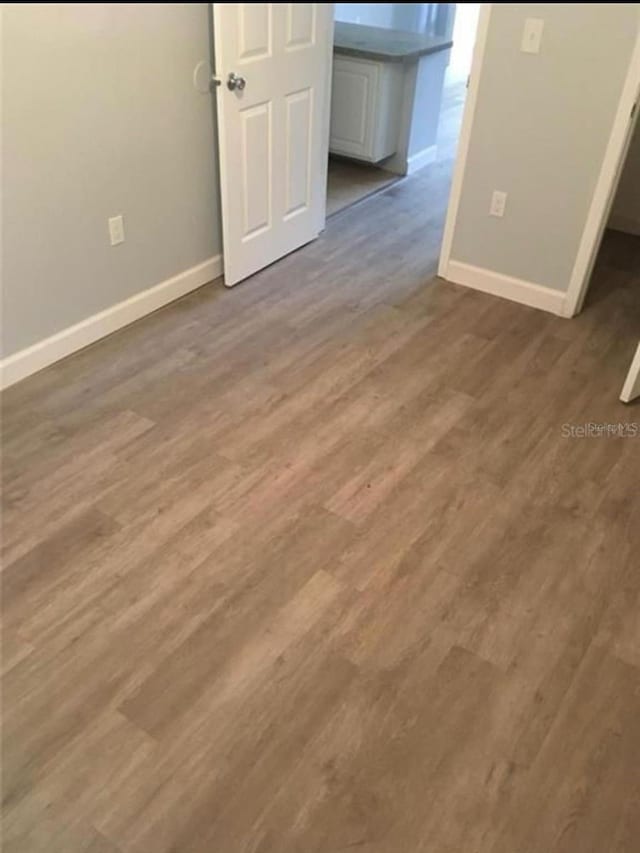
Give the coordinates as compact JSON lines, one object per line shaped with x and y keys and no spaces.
{"x":515,"y":289}
{"x":27,"y":361}
{"x":628,"y":224}
{"x":421,"y":159}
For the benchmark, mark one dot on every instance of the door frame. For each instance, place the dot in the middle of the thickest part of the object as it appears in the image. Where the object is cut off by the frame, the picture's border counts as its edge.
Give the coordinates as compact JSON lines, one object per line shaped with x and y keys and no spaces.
{"x":326,"y":121}
{"x":606,"y":185}
{"x":631,"y":387}
{"x":464,"y":139}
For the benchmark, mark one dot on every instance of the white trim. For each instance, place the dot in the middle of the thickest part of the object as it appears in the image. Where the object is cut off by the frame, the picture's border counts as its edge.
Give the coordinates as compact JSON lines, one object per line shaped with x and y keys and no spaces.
{"x":421,"y":159}
{"x":628,"y":224}
{"x":631,"y":387}
{"x":326,"y":124}
{"x":515,"y":289}
{"x":605,"y":187}
{"x":27,"y":361}
{"x":465,"y":137}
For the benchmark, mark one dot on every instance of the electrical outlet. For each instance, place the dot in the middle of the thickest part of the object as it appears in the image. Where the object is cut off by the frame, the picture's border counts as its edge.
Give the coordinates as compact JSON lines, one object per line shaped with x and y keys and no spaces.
{"x":532,"y":35}
{"x":498,"y":203}
{"x":116,"y":230}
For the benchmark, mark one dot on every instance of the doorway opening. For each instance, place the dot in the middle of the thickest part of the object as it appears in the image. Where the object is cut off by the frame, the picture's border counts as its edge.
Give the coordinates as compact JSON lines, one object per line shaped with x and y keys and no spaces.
{"x":399,"y":81}
{"x":387,"y":86}
{"x":615,"y":280}
{"x":619,"y":249}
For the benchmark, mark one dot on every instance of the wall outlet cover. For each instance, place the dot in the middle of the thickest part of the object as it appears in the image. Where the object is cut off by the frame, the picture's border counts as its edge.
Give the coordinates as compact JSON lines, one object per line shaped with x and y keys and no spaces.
{"x":532,"y":35}
{"x":116,"y":230}
{"x":498,"y":203}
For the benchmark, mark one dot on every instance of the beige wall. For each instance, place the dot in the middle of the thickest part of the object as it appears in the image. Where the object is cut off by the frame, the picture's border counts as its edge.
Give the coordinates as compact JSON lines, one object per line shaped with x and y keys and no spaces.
{"x":541,"y":126}
{"x":100,"y":117}
{"x":625,"y":213}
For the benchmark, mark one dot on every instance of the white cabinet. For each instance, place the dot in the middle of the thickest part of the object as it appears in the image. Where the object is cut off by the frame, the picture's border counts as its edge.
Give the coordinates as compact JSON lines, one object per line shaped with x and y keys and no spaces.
{"x":365,"y":108}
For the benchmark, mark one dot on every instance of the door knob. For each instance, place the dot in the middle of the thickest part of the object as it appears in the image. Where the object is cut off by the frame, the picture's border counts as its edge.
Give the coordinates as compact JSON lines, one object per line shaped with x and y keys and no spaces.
{"x":234,"y":81}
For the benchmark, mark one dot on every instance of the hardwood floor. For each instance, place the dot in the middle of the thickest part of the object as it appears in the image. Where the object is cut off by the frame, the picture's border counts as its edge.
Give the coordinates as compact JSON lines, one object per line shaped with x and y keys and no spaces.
{"x":310,"y":565}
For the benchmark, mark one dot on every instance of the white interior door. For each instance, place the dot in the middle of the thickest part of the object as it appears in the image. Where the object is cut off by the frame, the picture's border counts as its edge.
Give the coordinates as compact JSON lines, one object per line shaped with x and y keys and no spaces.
{"x":273,"y":128}
{"x":631,"y":387}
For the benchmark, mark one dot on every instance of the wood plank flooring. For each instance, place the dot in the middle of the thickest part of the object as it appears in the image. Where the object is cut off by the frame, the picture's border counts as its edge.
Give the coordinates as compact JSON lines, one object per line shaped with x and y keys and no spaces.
{"x":309,"y":566}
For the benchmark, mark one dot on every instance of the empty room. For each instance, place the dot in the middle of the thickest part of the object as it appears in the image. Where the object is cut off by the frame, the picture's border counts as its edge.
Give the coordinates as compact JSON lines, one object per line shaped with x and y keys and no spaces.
{"x":320,"y":428}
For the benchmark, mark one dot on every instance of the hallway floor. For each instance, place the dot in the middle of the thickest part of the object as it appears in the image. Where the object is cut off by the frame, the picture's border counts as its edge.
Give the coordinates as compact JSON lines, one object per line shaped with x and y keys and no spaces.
{"x":312,"y":565}
{"x":348,"y":182}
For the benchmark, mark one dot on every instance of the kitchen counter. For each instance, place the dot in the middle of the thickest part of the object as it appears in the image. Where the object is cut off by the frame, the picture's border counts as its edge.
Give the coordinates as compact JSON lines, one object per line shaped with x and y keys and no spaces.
{"x":385,"y":45}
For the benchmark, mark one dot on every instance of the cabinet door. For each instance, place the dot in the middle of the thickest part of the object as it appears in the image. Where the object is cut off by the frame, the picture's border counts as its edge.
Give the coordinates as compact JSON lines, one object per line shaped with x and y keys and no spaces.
{"x":353,"y":107}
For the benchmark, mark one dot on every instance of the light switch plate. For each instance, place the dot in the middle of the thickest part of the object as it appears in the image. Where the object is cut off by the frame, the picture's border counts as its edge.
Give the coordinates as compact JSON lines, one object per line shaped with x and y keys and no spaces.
{"x":532,"y":35}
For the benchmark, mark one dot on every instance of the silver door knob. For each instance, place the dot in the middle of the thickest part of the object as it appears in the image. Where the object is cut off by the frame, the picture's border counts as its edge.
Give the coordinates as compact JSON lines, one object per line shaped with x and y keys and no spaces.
{"x":234,"y":81}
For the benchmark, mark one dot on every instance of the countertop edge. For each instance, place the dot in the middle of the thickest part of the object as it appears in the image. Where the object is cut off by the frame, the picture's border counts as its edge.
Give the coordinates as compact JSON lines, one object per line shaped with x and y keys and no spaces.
{"x":410,"y":56}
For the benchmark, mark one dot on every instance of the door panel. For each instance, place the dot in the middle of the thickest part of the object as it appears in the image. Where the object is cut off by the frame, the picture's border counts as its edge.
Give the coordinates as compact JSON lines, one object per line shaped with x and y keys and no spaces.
{"x":273,"y":132}
{"x":301,"y":25}
{"x":299,"y":131}
{"x":255,"y":26}
{"x":256,"y":158}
